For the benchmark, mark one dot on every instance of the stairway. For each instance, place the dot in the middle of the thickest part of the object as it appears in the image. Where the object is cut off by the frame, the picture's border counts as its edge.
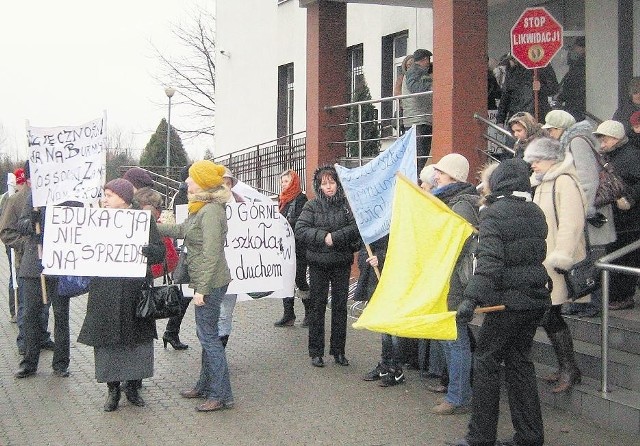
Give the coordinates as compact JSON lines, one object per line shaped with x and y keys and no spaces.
{"x":619,"y":408}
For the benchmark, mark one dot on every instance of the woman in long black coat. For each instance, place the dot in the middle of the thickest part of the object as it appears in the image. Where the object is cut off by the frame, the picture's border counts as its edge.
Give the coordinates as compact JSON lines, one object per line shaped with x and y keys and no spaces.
{"x":123,"y":343}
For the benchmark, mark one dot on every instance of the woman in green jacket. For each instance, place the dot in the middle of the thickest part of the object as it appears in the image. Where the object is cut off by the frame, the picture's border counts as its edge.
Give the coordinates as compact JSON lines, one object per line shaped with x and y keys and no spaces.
{"x":204,"y":233}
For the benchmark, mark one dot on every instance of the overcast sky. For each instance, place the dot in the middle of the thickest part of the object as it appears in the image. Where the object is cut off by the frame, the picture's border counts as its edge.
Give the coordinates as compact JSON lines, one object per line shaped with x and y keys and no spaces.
{"x":63,"y":62}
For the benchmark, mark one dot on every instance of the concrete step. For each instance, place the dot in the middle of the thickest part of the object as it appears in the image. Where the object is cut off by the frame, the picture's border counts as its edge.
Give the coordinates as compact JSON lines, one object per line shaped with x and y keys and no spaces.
{"x":618,"y":409}
{"x":624,"y":332}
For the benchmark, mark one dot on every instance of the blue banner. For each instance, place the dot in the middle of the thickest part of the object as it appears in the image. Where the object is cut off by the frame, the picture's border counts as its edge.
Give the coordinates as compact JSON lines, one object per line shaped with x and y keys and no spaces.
{"x":369,"y":188}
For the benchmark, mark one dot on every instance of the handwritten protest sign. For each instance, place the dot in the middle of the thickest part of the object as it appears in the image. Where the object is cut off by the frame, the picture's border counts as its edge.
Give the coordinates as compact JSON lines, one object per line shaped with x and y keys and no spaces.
{"x":369,"y":188}
{"x":95,"y":242}
{"x":67,"y":163}
{"x":259,"y":242}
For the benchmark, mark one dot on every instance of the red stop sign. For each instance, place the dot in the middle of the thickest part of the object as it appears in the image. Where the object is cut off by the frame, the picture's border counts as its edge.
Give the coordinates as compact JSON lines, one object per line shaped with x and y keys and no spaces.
{"x":535,"y":38}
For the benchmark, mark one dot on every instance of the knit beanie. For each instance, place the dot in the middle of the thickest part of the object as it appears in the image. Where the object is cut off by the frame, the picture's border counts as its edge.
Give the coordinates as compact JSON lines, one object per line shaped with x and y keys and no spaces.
{"x":138,"y":177}
{"x":611,"y":128}
{"x":544,"y":149}
{"x":122,"y":188}
{"x":558,"y":119}
{"x":206,"y":174}
{"x":454,"y":165}
{"x":20,"y":176}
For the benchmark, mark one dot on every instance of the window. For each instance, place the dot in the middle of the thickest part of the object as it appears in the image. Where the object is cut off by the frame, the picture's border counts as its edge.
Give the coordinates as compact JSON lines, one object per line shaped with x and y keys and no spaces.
{"x":394,"y":50}
{"x":285,"y":100}
{"x":356,"y":70}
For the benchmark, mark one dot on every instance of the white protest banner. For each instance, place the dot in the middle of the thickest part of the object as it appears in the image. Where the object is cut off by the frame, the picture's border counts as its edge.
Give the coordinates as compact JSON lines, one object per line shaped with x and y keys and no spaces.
{"x":246,"y":262}
{"x":95,"y":242}
{"x":67,"y":163}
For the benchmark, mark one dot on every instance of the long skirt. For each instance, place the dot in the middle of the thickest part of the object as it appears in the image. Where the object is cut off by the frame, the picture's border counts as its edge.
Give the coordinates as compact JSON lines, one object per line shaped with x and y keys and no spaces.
{"x":124,"y":362}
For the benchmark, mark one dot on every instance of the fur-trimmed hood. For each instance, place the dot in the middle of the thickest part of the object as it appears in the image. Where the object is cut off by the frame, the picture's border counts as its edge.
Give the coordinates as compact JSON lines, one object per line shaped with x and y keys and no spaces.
{"x":219,"y":194}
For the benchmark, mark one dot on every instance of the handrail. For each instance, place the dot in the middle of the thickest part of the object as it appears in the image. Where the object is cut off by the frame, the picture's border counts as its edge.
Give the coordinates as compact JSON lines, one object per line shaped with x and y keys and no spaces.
{"x":604,"y":263}
{"x":493,"y":140}
{"x":253,"y":146}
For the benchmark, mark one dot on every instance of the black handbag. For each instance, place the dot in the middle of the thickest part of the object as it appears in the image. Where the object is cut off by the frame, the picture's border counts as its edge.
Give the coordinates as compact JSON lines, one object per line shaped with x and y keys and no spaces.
{"x":610,"y":186}
{"x":582,"y":278}
{"x":181,"y":273}
{"x":159,"y":302}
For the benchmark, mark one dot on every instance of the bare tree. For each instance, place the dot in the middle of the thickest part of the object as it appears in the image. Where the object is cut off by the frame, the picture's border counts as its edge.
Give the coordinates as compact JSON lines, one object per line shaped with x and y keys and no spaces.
{"x":192,"y":74}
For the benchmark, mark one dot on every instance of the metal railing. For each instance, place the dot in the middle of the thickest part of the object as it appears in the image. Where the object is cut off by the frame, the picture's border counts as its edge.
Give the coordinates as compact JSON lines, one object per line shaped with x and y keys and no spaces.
{"x":386,"y":126}
{"x":607,"y":267}
{"x":163,"y":184}
{"x":260,"y":165}
{"x":497,"y":136}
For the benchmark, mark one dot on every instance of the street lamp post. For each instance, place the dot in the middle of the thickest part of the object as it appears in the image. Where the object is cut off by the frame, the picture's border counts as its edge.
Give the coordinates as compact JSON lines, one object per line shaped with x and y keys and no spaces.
{"x":169,"y":91}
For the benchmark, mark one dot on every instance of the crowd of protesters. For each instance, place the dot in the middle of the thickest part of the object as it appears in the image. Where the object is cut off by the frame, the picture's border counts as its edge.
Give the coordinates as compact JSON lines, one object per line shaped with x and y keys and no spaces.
{"x":536,"y":216}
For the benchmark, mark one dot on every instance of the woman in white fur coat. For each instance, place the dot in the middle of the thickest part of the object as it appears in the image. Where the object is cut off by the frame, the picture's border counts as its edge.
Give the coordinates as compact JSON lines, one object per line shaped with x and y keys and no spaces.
{"x":554,"y":174}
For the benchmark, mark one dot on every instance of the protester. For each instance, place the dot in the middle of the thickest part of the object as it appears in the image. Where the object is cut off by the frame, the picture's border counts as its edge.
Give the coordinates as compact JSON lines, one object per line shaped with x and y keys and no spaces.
{"x":559,"y":195}
{"x":172,"y":331}
{"x":525,"y":129}
{"x":389,"y":370}
{"x":418,"y":110}
{"x":577,"y":139}
{"x":511,"y":246}
{"x":122,"y":342}
{"x":624,"y":159}
{"x":634,"y":122}
{"x":572,"y":95}
{"x":290,"y":203}
{"x":328,"y":230}
{"x":630,"y":105}
{"x":30,"y":224}
{"x":453,"y":189}
{"x":517,"y":94}
{"x":204,"y":233}
{"x":427,"y":178}
{"x":12,"y":188}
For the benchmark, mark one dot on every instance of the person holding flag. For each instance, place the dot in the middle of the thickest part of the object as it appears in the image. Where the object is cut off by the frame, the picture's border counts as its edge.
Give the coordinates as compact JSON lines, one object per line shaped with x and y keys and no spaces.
{"x":509,"y":271}
{"x":328,"y":230}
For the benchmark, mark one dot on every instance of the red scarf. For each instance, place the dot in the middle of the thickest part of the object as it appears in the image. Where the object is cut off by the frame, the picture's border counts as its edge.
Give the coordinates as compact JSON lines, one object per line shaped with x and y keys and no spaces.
{"x":291,"y":192}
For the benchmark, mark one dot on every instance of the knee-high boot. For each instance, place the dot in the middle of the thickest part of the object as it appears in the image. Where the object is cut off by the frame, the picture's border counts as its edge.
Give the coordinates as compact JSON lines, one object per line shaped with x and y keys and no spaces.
{"x":569,"y":372}
{"x":113,"y":396}
{"x":555,"y":376}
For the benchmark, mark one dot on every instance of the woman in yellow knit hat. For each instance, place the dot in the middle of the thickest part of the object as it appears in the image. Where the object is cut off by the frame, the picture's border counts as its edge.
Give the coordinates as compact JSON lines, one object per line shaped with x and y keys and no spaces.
{"x":209,"y":277}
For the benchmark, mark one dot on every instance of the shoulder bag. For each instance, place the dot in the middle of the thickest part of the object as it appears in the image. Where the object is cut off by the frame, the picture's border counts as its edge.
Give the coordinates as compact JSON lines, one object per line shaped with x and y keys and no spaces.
{"x":583,"y":277}
{"x":610,"y":186}
{"x":159,"y":302}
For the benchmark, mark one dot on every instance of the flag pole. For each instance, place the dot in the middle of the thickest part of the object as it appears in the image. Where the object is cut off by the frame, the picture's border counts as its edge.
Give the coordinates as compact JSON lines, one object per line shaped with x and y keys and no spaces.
{"x":489,"y":309}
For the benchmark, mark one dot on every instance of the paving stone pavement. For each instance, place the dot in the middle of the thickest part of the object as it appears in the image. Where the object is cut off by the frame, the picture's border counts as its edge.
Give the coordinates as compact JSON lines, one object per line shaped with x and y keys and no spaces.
{"x":280,"y":398}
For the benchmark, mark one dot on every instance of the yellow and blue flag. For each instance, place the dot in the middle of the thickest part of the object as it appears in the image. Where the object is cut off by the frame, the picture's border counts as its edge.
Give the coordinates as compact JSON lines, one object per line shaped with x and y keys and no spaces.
{"x":426,"y":238}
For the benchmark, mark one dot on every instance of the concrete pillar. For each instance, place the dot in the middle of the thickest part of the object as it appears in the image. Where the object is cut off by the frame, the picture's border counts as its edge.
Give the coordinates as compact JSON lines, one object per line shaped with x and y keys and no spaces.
{"x":459,"y":79}
{"x":326,"y":83}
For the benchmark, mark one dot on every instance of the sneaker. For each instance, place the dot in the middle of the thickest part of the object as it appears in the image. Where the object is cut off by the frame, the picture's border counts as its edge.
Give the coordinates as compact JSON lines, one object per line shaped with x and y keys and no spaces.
{"x":392,"y":378}
{"x":376,"y":374}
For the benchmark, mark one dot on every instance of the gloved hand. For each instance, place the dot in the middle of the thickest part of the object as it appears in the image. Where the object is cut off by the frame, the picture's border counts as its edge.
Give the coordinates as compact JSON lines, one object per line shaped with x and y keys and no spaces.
{"x":464,"y":315}
{"x":36,"y":218}
{"x":145,"y":250}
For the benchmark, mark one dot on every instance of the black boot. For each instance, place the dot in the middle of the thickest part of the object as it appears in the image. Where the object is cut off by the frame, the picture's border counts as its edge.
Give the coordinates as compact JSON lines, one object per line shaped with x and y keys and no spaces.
{"x":554,"y":376}
{"x":569,"y":372}
{"x":174,"y":340}
{"x":131,"y":391}
{"x":305,"y":321}
{"x":289,"y":316}
{"x":113,"y":396}
{"x":224,"y":339}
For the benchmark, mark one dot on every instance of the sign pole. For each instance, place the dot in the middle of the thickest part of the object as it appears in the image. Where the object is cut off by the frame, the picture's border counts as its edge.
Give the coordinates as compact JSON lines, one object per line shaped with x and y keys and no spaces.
{"x":536,"y":94}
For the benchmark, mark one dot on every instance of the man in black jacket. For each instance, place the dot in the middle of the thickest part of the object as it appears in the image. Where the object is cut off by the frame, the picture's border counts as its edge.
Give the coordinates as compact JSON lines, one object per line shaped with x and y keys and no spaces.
{"x":509,"y":271}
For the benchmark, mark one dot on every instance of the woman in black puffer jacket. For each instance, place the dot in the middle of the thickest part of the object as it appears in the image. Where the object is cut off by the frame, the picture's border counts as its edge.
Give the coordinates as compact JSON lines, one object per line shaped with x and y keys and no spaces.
{"x":327,"y":228}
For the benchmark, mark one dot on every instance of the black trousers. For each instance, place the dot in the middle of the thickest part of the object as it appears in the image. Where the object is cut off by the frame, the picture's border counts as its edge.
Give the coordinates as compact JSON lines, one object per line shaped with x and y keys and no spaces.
{"x":506,"y":337}
{"x":12,"y":298}
{"x":321,"y":277}
{"x":32,"y":295}
{"x":623,"y":286}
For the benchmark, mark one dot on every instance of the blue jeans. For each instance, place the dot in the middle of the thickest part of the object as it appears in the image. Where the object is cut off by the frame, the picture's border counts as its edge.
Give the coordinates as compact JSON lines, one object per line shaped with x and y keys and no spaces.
{"x":437,"y":362}
{"x":390,"y":352}
{"x":459,"y":358}
{"x":214,"y":380}
{"x":226,"y":314}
